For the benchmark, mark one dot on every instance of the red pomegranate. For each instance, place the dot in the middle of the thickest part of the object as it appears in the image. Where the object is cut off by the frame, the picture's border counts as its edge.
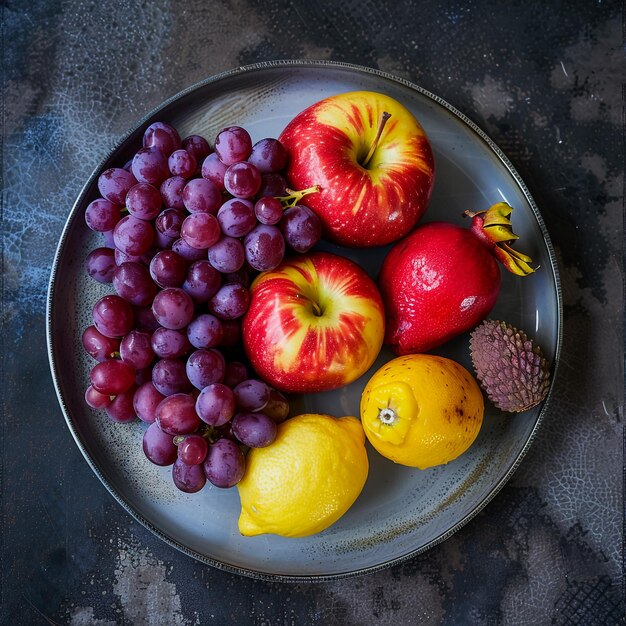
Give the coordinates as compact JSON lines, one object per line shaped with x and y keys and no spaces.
{"x":442,"y":279}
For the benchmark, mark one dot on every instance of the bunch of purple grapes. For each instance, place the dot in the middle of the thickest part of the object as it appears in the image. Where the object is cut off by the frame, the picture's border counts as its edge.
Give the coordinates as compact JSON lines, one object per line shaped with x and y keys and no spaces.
{"x":185,"y":227}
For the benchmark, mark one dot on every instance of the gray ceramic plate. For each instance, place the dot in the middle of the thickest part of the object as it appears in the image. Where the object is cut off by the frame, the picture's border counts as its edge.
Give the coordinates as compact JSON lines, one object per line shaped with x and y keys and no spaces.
{"x":401,"y":511}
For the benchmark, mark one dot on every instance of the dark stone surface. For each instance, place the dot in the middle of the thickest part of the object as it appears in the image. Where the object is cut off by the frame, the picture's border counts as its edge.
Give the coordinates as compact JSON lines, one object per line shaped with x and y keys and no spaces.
{"x":543,"y":79}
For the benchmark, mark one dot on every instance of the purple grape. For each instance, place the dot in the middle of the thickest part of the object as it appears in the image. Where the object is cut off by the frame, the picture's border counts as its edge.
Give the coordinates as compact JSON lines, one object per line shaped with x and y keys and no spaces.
{"x":169,"y":344}
{"x":133,"y":236}
{"x":252,"y":395}
{"x":272,"y":185}
{"x":201,"y":196}
{"x":231,"y":333}
{"x":230,"y":302}
{"x":150,"y":166}
{"x":242,"y":180}
{"x":100,"y":264}
{"x":144,"y":319}
{"x":144,"y":201}
{"x":163,"y":137}
{"x":115,"y":183}
{"x":169,"y":222}
{"x":265,"y":247}
{"x":192,"y":450}
{"x":268,"y":210}
{"x":99,"y":346}
{"x":168,"y":269}
{"x":172,"y":192}
{"x":213,"y":169}
{"x":180,"y":246}
{"x":301,"y":228}
{"x":121,"y":408}
{"x":112,"y":377}
{"x":102,"y":215}
{"x":143,"y":376}
{"x":255,"y":430}
{"x":169,"y":377}
{"x":204,"y":367}
{"x":122,"y":257}
{"x":113,"y":316}
{"x":225,"y":431}
{"x":216,"y":404}
{"x":236,"y":217}
{"x":163,"y":242}
{"x":146,"y":400}
{"x":241,"y":276}
{"x":188,"y":478}
{"x":141,"y":259}
{"x":131,"y":281}
{"x":198,"y":146}
{"x":225,"y":464}
{"x":278,"y":406}
{"x":204,"y":331}
{"x":135,"y":349}
{"x":107,"y":236}
{"x":202,"y":281}
{"x":173,"y":308}
{"x":227,"y":255}
{"x":268,"y":156}
{"x":235,"y":373}
{"x":176,"y":414}
{"x":233,"y":144}
{"x":200,"y":230}
{"x":158,"y":446}
{"x":95,"y":399}
{"x":182,"y":163}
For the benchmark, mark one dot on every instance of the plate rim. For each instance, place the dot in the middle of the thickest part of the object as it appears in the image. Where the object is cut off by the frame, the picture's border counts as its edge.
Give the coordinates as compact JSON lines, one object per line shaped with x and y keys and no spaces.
{"x":72,"y":216}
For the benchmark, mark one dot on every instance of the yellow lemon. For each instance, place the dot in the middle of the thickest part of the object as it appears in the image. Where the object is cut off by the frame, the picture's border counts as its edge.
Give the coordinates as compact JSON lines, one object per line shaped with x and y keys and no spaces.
{"x":422,"y":410}
{"x":306,"y":480}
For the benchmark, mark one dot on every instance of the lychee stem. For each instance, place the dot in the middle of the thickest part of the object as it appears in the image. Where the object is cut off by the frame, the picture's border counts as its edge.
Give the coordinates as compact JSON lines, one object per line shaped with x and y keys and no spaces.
{"x":381,"y":126}
{"x":387,"y":416}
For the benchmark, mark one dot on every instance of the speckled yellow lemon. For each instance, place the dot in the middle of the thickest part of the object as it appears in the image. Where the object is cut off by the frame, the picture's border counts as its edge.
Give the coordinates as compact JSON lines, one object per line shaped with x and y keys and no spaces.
{"x":422,"y":410}
{"x":306,"y":480}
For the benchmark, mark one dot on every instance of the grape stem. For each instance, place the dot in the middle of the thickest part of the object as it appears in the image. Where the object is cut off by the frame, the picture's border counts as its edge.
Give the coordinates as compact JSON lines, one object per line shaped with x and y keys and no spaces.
{"x":294,"y":197}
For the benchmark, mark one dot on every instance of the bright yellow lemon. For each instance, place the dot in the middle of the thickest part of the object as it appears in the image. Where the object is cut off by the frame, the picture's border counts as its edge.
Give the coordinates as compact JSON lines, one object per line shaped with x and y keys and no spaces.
{"x":306,"y":480}
{"x":422,"y":410}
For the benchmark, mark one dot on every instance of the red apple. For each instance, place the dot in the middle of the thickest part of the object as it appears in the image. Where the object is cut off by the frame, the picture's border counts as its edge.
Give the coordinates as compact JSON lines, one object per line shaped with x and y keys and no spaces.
{"x":371,"y":161}
{"x":315,"y":323}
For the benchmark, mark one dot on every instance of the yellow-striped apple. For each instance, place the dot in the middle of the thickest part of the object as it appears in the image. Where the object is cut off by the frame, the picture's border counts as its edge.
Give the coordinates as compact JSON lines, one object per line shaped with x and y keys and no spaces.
{"x":314,"y":323}
{"x":371,"y":161}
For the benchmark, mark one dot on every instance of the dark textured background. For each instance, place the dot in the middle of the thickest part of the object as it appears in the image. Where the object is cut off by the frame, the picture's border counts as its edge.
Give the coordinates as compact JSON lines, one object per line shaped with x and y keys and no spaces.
{"x":544,"y":80}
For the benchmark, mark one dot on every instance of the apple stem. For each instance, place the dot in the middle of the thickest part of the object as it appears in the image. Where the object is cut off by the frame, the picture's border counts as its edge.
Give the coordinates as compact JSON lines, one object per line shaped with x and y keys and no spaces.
{"x":387,"y":416}
{"x":381,"y":126}
{"x":294,"y":197}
